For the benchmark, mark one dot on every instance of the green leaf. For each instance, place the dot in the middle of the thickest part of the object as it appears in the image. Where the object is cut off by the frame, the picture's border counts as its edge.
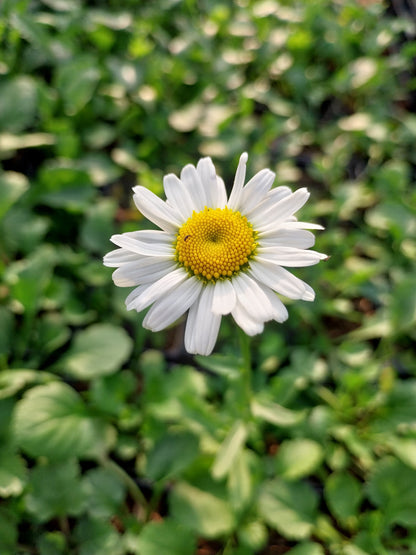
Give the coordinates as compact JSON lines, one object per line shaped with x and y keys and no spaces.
{"x":343,"y":493}
{"x":166,"y":536}
{"x":307,"y":548}
{"x":201,"y":511}
{"x":229,"y":450}
{"x":76,"y":81}
{"x":63,"y":186}
{"x":288,"y":507}
{"x":276,"y":414}
{"x":8,"y":532}
{"x":12,"y":381}
{"x":392,"y":487}
{"x":240,"y":482}
{"x":98,"y":226}
{"x":52,"y":543}
{"x":29,"y":277}
{"x":51,"y":420}
{"x":405,"y":450}
{"x":12,"y":473}
{"x":222,"y":365}
{"x":403,"y":304}
{"x":22,"y":229}
{"x":297,"y":458}
{"x":56,"y":490}
{"x":171,"y":454}
{"x":104,"y":492}
{"x":96,"y":351}
{"x":18,"y":103}
{"x":12,"y":186}
{"x":97,"y":537}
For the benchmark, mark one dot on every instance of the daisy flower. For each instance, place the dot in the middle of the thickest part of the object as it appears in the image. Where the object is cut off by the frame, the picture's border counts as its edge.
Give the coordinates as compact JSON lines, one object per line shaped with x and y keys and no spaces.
{"x":215,"y":255}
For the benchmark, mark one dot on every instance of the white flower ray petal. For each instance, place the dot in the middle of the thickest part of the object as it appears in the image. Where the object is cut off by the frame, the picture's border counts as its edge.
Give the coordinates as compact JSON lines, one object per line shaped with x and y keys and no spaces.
{"x":172,"y":305}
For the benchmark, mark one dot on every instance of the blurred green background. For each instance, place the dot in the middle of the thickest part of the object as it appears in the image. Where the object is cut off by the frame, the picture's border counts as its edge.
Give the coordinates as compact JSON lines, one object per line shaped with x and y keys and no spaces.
{"x":113,"y":440}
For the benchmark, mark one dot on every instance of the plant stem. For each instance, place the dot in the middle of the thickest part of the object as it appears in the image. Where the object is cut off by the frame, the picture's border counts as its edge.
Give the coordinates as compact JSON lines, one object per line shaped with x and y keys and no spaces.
{"x":131,"y":485}
{"x":245,"y":371}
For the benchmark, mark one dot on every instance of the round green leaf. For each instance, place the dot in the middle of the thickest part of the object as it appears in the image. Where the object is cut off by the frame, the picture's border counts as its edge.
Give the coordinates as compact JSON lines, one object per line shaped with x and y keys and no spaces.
{"x":289,"y":507}
{"x":51,"y":420}
{"x":392,"y":488}
{"x":98,"y":350}
{"x":298,"y":457}
{"x":166,"y":537}
{"x":201,"y":511}
{"x":343,"y":494}
{"x":56,"y":490}
{"x":105,"y":492}
{"x":18,"y":103}
{"x":97,"y":537}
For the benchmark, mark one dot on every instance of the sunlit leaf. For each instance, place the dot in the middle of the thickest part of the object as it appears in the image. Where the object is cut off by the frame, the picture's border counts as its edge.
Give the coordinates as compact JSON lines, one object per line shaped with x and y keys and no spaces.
{"x":97,"y":351}
{"x":51,"y":420}
{"x":289,"y":507}
{"x":201,"y":511}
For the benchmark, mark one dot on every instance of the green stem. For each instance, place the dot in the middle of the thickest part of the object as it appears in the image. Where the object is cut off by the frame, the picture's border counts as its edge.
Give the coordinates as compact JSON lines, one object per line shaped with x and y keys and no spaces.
{"x":131,"y":485}
{"x":245,"y":372}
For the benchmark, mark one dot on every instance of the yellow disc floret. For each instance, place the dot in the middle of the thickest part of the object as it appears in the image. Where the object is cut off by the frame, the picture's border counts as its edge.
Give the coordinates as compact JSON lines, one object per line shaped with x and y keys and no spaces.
{"x":215,"y":243}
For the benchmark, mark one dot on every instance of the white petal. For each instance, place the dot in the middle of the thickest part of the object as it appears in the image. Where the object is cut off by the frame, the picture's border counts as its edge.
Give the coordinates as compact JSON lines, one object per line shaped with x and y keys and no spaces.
{"x":278,"y":193}
{"x":158,"y":289}
{"x":202,"y":326}
{"x":278,"y":212}
{"x":214,"y":188}
{"x":117,"y":257}
{"x":240,"y":175}
{"x":193,"y":184}
{"x":251,"y":296}
{"x":292,"y":257}
{"x":280,"y":311}
{"x":178,"y":196}
{"x":224,"y":297}
{"x":148,"y":269}
{"x":280,"y":280}
{"x":221,"y":193}
{"x":143,"y":248}
{"x":246,"y":322}
{"x":169,"y":308}
{"x":155,"y":209}
{"x":135,"y":293}
{"x":151,"y":236}
{"x":273,"y":214}
{"x":256,"y":189}
{"x":299,"y":238}
{"x":303,"y":225}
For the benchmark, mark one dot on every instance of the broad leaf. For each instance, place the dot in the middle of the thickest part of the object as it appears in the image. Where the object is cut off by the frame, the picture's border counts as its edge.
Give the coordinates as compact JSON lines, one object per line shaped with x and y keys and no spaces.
{"x":55,"y":490}
{"x":166,"y":536}
{"x":288,"y":507}
{"x":343,"y":493}
{"x":97,"y":351}
{"x":51,"y":420}
{"x":298,"y":457}
{"x":199,"y":510}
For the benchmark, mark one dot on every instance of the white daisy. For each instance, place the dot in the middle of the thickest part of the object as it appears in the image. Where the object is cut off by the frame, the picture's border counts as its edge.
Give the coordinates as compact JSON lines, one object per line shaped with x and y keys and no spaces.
{"x":215,"y":255}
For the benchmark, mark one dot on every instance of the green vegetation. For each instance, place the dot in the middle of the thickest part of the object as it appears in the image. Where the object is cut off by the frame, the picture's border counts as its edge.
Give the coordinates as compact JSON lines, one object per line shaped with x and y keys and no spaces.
{"x":113,"y":440}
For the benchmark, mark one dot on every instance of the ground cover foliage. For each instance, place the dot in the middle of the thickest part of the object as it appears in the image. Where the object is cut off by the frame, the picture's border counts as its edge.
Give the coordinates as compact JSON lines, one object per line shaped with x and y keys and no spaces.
{"x":114,"y":441}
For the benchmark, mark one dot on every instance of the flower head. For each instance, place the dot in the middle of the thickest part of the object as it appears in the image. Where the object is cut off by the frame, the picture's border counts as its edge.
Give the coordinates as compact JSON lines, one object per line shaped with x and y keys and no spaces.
{"x":215,"y":255}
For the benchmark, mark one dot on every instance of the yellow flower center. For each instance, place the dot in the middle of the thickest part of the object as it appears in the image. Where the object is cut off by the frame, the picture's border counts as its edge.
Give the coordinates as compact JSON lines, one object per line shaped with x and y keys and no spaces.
{"x":215,"y":243}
